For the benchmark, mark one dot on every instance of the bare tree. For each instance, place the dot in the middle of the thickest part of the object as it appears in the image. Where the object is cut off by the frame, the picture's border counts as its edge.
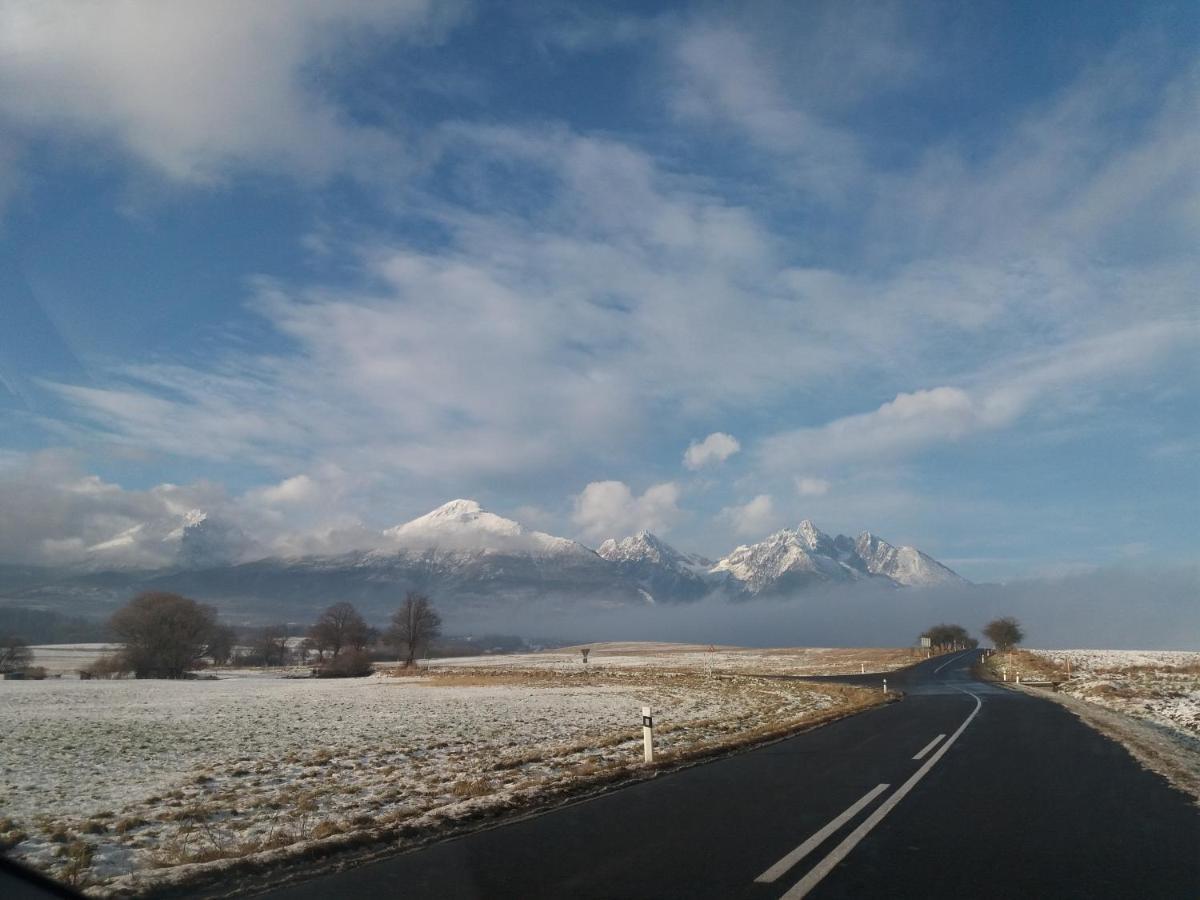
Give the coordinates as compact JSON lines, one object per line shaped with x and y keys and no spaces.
{"x":1005,"y":633}
{"x":14,"y":653}
{"x":340,"y":627}
{"x":270,"y":646}
{"x":414,"y":625}
{"x":220,"y":647}
{"x":164,"y":634}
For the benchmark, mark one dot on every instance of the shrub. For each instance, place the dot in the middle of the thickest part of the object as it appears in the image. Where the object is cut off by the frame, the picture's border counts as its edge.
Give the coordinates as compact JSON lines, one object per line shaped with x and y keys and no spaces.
{"x":79,"y":857}
{"x":111,"y":665}
{"x":347,"y":664}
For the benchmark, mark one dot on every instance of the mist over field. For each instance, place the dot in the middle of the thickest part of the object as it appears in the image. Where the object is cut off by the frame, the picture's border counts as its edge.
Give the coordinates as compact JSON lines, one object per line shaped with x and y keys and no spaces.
{"x":1113,"y":608}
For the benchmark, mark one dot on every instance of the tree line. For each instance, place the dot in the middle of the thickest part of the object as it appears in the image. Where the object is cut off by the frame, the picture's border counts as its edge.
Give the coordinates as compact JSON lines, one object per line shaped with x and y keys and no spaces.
{"x":165,"y":635}
{"x":1004,"y":633}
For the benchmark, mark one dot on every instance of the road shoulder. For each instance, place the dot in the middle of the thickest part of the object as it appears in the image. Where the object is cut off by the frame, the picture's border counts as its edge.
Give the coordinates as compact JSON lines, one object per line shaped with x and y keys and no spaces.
{"x":1173,"y":756}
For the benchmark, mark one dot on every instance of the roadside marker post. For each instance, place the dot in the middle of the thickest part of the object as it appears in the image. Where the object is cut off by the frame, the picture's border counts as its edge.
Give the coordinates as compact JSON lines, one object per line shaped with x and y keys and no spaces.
{"x":885,"y":685}
{"x":648,"y":733}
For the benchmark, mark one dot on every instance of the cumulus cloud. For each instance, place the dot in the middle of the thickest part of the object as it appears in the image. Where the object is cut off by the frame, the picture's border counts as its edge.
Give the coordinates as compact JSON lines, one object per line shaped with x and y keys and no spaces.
{"x":193,"y":89}
{"x":559,"y":314}
{"x":607,"y":509}
{"x":58,"y":514}
{"x":297,"y":489}
{"x":715,"y":448}
{"x":754,"y":518}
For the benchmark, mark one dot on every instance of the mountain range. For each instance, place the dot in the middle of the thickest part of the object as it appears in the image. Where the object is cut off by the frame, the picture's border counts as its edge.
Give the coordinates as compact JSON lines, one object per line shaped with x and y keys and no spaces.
{"x":468,"y":559}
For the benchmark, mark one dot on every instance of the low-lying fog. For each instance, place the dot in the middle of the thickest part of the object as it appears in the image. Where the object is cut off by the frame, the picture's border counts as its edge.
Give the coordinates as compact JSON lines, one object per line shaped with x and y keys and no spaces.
{"x":1118,"y":609}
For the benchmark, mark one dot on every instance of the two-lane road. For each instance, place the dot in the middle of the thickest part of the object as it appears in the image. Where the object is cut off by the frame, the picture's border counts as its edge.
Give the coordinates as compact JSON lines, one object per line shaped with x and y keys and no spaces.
{"x":964,"y":789}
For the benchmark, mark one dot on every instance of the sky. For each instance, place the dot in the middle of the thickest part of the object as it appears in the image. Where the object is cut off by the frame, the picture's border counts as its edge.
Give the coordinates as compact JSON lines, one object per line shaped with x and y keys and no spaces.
{"x":317,"y":267}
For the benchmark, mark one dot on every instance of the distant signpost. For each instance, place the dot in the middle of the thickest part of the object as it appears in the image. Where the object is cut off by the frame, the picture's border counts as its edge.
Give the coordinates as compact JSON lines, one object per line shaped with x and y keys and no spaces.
{"x":926,"y":643}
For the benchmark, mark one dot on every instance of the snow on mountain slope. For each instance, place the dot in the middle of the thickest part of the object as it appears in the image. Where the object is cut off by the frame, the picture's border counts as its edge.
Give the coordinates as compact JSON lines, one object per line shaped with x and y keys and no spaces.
{"x":647,"y":547}
{"x":788,"y":558}
{"x":904,"y":565}
{"x":660,"y":570}
{"x":464,"y":525}
{"x":796,"y":557}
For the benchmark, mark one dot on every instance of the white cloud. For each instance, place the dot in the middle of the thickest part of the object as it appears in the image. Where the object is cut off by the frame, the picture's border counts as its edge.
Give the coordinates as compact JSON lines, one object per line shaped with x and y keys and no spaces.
{"x":811,"y":487}
{"x":720,"y":80}
{"x":717,"y":447}
{"x":55,"y":514}
{"x":554,"y":325}
{"x":1048,"y":381}
{"x":58,"y":515}
{"x":297,"y":489}
{"x":607,"y":509}
{"x":754,"y":518}
{"x":193,"y":89}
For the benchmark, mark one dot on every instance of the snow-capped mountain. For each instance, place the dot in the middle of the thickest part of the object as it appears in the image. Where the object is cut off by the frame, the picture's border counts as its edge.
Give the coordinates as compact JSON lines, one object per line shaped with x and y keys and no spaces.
{"x":904,"y":565}
{"x":464,"y":525}
{"x":796,"y":558}
{"x":658,"y":568}
{"x":469,"y":559}
{"x":205,"y":541}
{"x":789,"y":559}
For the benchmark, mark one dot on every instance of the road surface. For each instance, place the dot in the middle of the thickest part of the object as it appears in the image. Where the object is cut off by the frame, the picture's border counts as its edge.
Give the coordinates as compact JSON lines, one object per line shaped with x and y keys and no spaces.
{"x":964,"y":790}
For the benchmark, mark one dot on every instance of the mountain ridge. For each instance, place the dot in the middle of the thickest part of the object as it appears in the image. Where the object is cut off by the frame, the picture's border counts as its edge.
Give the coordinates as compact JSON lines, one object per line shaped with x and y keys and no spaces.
{"x":470,"y":558}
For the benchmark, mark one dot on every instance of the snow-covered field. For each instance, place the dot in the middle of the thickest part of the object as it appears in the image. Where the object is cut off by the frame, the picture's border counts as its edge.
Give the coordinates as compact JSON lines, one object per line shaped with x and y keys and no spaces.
{"x":1162,"y":686}
{"x":702,"y":658}
{"x":67,"y":659}
{"x":121,"y":784}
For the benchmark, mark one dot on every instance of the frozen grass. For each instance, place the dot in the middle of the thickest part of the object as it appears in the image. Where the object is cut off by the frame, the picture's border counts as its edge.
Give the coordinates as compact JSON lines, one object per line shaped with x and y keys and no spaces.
{"x":123,"y":785}
{"x":1161,"y":686}
{"x":67,"y":659}
{"x":700,"y":658}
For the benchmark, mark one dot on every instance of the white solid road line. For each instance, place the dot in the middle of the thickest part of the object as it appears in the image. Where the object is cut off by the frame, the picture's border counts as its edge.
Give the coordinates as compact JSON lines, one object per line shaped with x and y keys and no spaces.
{"x":842,"y":850}
{"x":950,"y":660}
{"x":819,"y":838}
{"x":929,"y":747}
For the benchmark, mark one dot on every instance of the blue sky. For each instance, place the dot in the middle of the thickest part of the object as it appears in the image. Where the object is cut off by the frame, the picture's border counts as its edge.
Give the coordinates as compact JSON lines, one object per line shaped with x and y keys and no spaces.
{"x":316,"y":267}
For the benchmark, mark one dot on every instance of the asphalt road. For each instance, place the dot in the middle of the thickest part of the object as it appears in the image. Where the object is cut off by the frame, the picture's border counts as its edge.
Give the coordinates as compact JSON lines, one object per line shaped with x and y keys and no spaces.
{"x":1017,"y":799}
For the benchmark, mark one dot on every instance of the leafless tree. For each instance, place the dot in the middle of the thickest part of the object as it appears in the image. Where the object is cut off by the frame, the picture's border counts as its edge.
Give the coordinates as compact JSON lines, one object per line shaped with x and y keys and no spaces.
{"x":414,"y":625}
{"x":164,"y":634}
{"x":220,"y":648}
{"x":14,"y":653}
{"x":270,"y":647}
{"x":340,"y":627}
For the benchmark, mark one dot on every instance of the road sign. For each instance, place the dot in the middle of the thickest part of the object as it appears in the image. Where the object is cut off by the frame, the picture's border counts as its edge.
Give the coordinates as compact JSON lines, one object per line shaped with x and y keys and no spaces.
{"x":926,"y":642}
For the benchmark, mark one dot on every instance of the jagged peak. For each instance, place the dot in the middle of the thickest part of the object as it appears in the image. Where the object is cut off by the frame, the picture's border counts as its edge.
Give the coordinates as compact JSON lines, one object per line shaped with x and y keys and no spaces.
{"x":646,"y":545}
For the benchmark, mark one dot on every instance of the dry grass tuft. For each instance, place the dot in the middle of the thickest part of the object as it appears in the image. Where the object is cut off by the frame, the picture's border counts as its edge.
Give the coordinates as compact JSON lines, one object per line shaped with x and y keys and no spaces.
{"x":469,"y":788}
